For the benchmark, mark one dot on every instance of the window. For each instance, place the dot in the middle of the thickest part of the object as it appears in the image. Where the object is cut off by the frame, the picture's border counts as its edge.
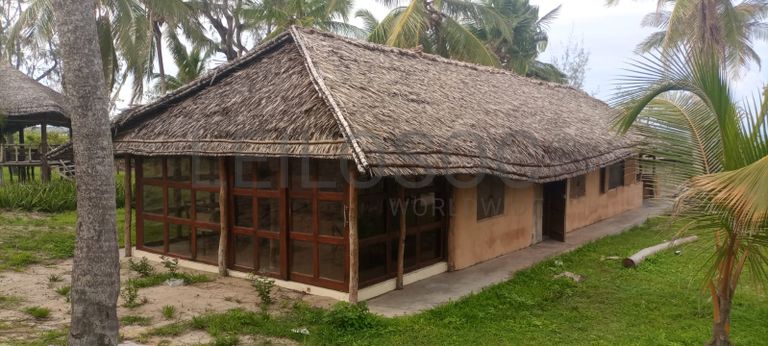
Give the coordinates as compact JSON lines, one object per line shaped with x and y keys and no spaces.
{"x":257,"y":216}
{"x":603,"y":183}
{"x":490,"y":197}
{"x":615,"y":175}
{"x":179,"y":207}
{"x":578,"y":186}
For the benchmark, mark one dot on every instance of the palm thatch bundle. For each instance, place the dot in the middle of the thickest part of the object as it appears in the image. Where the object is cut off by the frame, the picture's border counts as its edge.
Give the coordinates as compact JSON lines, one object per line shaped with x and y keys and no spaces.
{"x":25,"y":102}
{"x":395,"y":112}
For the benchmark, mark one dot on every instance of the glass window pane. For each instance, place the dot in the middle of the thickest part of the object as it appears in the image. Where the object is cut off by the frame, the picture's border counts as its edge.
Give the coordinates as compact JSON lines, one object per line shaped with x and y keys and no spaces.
{"x":269,"y":214}
{"x":152,"y":199}
{"x":180,"y":203}
{"x":329,"y":175}
{"x":245,"y":171}
{"x":244,"y":211}
{"x":206,"y":170}
{"x":373,"y":261}
{"x":180,"y":169}
{"x":180,"y":240}
{"x":430,"y":245}
{"x":153,"y":236}
{"x":244,"y":250}
{"x":302,"y":174}
{"x":267,"y":174}
{"x":302,"y":257}
{"x":331,"y":218}
{"x":207,"y":206}
{"x":332,"y":261}
{"x":152,"y":168}
{"x":301,"y":215}
{"x":207,"y":245}
{"x":371,"y":217}
{"x":269,"y":255}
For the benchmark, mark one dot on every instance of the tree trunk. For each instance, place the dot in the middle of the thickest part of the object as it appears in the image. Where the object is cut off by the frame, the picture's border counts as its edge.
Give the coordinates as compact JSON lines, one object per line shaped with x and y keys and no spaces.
{"x":96,"y":270}
{"x":159,"y":46}
{"x":722,"y":325}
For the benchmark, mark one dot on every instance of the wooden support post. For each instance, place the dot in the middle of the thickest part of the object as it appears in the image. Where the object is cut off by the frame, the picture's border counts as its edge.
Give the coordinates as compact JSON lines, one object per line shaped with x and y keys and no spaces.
{"x":353,"y":236}
{"x":451,"y":248}
{"x":224,"y":214}
{"x":45,"y":170}
{"x":21,"y":169}
{"x":128,"y":211}
{"x":401,"y":241}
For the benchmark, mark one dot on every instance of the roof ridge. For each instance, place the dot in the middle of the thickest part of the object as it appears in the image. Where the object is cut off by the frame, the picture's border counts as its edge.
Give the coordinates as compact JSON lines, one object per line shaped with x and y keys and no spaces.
{"x":431,"y":57}
{"x":325,"y":93}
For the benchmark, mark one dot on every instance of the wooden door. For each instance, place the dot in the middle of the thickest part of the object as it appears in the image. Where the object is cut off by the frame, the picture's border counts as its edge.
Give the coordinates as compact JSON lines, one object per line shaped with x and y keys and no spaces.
{"x":553,"y":223}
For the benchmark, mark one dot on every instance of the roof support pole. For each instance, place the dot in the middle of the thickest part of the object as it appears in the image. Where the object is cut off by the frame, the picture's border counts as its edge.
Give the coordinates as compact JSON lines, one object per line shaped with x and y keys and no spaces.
{"x":353,"y":236}
{"x":21,"y":170}
{"x":128,"y":211}
{"x":224,"y":214}
{"x":401,"y":242}
{"x":45,"y":170}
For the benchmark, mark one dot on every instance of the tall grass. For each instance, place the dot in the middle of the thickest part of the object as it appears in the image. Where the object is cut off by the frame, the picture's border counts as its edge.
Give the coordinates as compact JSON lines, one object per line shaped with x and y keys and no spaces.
{"x":52,"y":197}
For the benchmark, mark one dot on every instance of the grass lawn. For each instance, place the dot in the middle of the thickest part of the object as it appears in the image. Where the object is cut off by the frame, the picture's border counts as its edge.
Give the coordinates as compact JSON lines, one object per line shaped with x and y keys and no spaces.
{"x":29,"y":238}
{"x":659,"y":303}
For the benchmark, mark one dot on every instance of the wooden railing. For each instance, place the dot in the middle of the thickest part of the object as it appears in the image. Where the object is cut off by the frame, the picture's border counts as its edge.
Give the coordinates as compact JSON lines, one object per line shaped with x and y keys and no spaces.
{"x":21,"y":153}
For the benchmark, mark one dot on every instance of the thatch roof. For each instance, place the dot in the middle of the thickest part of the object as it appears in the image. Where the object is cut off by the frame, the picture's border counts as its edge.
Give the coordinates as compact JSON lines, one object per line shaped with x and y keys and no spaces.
{"x":25,"y":102}
{"x":394,"y":111}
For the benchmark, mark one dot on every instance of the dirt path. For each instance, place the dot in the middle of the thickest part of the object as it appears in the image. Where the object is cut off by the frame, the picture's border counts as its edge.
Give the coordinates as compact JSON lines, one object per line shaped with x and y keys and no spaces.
{"x":32,"y":287}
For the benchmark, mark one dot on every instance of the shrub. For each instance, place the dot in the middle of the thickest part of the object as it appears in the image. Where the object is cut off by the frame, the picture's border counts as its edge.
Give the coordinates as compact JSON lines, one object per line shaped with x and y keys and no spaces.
{"x":172,"y":264}
{"x":141,"y":267}
{"x":351,"y":317}
{"x":169,"y":311}
{"x":55,"y":196}
{"x":263,"y":288}
{"x":130,"y":295}
{"x":38,"y":312}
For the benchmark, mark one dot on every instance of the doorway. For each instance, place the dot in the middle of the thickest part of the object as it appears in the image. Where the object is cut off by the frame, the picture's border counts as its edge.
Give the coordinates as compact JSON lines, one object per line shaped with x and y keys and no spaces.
{"x":553,"y":222}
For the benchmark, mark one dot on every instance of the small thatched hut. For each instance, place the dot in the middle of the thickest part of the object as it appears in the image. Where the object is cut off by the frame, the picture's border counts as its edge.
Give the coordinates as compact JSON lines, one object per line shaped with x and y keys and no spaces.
{"x":346,"y":168}
{"x":26,"y":103}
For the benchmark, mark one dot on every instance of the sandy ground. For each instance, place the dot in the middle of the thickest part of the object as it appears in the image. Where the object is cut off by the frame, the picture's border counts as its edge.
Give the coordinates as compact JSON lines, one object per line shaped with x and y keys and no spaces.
{"x":34,"y":289}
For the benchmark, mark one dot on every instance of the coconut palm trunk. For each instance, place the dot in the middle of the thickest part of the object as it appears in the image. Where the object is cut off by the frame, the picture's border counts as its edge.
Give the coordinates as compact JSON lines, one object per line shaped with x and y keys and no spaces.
{"x":158,"y":35}
{"x":96,"y":270}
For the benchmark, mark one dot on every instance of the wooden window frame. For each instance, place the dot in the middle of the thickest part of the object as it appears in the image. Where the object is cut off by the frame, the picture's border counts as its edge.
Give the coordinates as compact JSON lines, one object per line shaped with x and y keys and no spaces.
{"x":578,"y":187}
{"x":165,"y":218}
{"x":255,"y":231}
{"x":316,"y":195}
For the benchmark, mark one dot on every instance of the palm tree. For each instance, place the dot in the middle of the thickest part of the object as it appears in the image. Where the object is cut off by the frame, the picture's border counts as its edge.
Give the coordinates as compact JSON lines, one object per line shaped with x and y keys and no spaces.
{"x":521,"y":37}
{"x":502,"y":33}
{"x":438,"y":27}
{"x":129,"y":34}
{"x":191,"y":64}
{"x":720,"y":26}
{"x":716,"y":151}
{"x":96,"y":269}
{"x":278,"y":15}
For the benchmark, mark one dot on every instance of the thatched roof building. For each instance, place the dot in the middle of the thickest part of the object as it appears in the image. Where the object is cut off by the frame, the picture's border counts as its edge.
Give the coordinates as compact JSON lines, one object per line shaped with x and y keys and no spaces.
{"x":394,"y":111}
{"x":25,"y":102}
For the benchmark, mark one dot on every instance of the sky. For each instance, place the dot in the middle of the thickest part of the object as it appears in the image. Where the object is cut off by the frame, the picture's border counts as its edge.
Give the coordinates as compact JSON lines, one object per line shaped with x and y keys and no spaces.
{"x":609,"y":34}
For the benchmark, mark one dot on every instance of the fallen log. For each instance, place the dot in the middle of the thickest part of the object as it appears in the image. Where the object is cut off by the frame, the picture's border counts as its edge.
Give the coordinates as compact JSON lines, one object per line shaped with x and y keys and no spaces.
{"x":634,"y":260}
